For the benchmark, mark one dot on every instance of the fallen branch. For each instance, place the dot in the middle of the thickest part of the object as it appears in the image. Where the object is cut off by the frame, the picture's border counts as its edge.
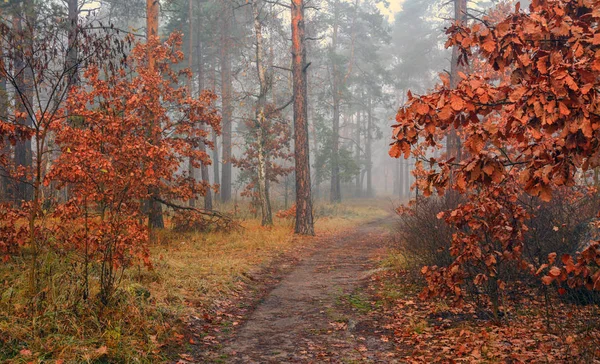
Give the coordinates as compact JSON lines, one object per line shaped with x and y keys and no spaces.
{"x":205,"y":212}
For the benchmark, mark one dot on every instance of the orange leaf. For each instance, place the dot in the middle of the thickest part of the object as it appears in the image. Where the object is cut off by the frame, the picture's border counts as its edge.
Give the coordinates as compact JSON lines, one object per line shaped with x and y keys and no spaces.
{"x":395,"y":150}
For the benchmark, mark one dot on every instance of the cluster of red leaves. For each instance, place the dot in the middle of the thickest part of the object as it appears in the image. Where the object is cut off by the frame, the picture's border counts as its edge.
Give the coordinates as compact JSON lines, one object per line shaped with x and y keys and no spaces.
{"x":529,"y":126}
{"x":287,"y":214}
{"x":491,"y":226}
{"x":277,"y":142}
{"x":427,"y":332}
{"x":13,"y":235}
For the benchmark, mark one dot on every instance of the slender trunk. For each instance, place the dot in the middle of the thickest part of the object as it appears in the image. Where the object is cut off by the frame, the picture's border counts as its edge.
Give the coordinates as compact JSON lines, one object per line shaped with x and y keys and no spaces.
{"x":408,"y":178}
{"x":5,"y":150}
{"x":336,"y":190}
{"x":72,"y":51}
{"x":304,"y":214}
{"x":357,"y":136}
{"x":368,"y":154}
{"x":402,"y":178}
{"x":261,"y":120}
{"x":453,"y":147}
{"x":23,"y":151}
{"x":396,"y":186}
{"x":208,"y":203}
{"x":226,"y":104}
{"x":215,"y":137}
{"x":155,"y":215}
{"x":190,"y":87}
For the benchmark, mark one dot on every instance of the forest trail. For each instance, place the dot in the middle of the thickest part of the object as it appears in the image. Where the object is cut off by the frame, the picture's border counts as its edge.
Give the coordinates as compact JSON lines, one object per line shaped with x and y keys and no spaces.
{"x":318,"y":312}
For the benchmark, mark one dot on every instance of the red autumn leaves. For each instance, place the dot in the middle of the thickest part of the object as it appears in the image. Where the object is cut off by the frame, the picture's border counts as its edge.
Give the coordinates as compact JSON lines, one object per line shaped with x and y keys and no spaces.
{"x":528,"y":122}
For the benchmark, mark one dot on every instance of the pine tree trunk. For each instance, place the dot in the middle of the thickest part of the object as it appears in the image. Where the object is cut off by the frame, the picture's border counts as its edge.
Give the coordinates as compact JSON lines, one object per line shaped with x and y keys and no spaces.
{"x":215,"y":137}
{"x":357,"y":136}
{"x":190,"y":87}
{"x":226,"y":112}
{"x":368,"y":153}
{"x":304,"y":213}
{"x":336,"y":189}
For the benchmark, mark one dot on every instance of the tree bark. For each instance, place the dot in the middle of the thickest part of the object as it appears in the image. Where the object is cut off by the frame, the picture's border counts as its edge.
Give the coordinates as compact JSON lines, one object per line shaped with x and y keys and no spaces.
{"x":336,"y":190}
{"x":6,"y":150}
{"x":72,"y":51}
{"x":208,"y":203}
{"x":191,"y":169}
{"x":304,"y":215}
{"x":453,"y":145}
{"x":260,"y":121}
{"x":226,"y":112}
{"x":368,"y":153}
{"x":215,"y":137}
{"x":358,"y":150}
{"x":23,"y":148}
{"x":155,"y":215}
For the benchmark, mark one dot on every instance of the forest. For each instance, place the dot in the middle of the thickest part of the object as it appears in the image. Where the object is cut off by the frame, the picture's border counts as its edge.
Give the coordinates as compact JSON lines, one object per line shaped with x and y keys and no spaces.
{"x":299,"y":181}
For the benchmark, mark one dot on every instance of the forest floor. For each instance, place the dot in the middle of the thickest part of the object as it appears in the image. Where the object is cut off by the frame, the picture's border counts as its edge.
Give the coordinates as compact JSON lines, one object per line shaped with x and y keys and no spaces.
{"x":312,"y":308}
{"x":345,"y":297}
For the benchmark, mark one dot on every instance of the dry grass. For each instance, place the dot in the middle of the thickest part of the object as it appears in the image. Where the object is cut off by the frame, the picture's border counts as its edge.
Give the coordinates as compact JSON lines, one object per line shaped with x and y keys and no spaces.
{"x":192,"y":272}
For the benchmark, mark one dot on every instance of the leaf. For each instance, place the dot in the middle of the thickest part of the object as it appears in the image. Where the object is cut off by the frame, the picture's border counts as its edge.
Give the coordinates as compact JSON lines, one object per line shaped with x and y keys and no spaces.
{"x":422,"y":108}
{"x":545,"y":194}
{"x":564,"y":110}
{"x":457,"y":103}
{"x":542,"y":267}
{"x":445,"y":113}
{"x":554,"y":272}
{"x":395,"y":150}
{"x":547,"y":280}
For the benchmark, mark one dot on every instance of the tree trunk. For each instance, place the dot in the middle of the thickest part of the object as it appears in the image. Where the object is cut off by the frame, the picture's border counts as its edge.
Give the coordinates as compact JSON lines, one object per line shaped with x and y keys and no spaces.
{"x":261,"y":121}
{"x":155,"y":215}
{"x":24,"y":79}
{"x":304,"y":214}
{"x":208,"y":203}
{"x":357,"y":136}
{"x":226,"y":104}
{"x":190,"y":86}
{"x":72,"y":51}
{"x":453,"y":147}
{"x":402,"y":178}
{"x":368,"y":153}
{"x":6,"y":150}
{"x":215,"y":137}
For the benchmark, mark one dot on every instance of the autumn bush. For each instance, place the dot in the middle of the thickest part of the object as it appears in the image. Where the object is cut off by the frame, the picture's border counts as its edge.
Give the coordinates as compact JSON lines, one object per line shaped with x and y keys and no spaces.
{"x":521,"y":129}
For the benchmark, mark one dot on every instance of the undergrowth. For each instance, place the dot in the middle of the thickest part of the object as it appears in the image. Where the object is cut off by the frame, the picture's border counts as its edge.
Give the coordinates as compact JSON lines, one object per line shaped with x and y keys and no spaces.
{"x":146,"y":319}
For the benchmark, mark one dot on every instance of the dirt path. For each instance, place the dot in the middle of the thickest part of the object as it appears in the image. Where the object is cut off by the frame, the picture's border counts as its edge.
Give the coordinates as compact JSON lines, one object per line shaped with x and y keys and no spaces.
{"x":318,"y":311}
